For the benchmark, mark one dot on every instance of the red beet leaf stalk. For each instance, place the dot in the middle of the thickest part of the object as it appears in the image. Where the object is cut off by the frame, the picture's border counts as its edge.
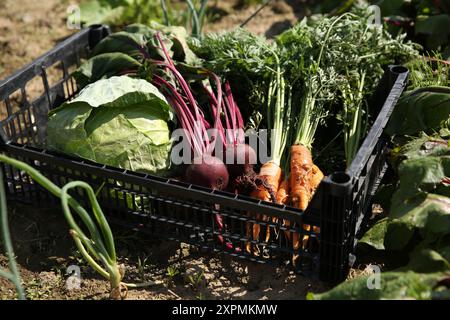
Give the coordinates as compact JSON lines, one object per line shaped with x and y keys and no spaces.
{"x":240,"y":157}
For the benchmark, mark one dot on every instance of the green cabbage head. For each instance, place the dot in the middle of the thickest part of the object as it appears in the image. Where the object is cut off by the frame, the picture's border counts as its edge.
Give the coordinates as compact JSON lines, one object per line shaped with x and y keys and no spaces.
{"x":120,"y":121}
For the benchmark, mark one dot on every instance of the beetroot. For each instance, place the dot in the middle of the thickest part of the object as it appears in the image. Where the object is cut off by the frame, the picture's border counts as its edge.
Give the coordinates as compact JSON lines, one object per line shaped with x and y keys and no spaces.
{"x":208,"y":171}
{"x":243,"y":157}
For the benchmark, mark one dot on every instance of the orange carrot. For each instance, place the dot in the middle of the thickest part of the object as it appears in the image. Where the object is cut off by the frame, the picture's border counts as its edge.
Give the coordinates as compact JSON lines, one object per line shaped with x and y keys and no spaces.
{"x":317,"y":176}
{"x":270,"y":175}
{"x":283,"y":192}
{"x":282,"y":198}
{"x":301,"y":171}
{"x":305,"y":178}
{"x":296,"y":242}
{"x":261,"y":193}
{"x":295,"y":245}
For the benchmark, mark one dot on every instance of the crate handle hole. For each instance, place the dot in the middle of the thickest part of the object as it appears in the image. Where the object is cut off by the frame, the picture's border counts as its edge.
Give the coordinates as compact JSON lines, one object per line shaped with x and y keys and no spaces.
{"x":399,"y":69}
{"x":340,"y":177}
{"x":96,"y":26}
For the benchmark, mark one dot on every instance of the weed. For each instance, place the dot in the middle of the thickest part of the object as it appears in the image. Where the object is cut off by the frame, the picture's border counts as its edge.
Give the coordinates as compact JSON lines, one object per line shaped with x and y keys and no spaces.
{"x":200,"y":296}
{"x":172,"y":272}
{"x":196,"y":279}
{"x":37,"y":290}
{"x":142,"y":267}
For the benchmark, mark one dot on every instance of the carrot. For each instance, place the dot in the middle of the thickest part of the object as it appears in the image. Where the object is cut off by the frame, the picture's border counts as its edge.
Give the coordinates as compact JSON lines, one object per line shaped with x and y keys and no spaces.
{"x":317,"y":176}
{"x":295,"y":245}
{"x":270,"y":175}
{"x":282,"y":198}
{"x":305,"y":178}
{"x":296,"y":242}
{"x":261,"y":193}
{"x":301,"y":172}
{"x":283,"y":192}
{"x":278,"y":119}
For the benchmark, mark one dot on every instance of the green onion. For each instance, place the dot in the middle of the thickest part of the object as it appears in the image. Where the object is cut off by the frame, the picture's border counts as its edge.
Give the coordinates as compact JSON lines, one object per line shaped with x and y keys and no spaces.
{"x":13,"y":273}
{"x":98,"y":248}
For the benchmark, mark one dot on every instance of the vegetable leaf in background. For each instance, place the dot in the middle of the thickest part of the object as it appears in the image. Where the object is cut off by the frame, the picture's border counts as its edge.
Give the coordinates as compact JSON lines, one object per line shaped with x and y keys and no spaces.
{"x":129,"y":51}
{"x":424,"y":21}
{"x":120,"y":12}
{"x":132,"y":44}
{"x":435,"y":27}
{"x":419,"y":217}
{"x":421,"y":175}
{"x":421,"y":202}
{"x":394,"y":285}
{"x":424,"y":109}
{"x":420,"y":206}
{"x":425,"y":215}
{"x":375,"y":237}
{"x":390,"y":7}
{"x":100,"y":11}
{"x":104,"y":66}
{"x":428,"y":71}
{"x":418,"y":148}
{"x":180,"y":47}
{"x":425,"y":261}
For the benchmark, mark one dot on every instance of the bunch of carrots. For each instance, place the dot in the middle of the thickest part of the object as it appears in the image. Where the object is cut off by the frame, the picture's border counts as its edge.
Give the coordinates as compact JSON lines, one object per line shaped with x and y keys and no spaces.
{"x":290,"y":177}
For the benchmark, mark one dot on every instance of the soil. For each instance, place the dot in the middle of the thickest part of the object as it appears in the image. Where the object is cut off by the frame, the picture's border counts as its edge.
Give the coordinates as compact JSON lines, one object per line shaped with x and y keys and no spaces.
{"x":270,"y":21}
{"x":27,"y":29}
{"x":45,"y":251}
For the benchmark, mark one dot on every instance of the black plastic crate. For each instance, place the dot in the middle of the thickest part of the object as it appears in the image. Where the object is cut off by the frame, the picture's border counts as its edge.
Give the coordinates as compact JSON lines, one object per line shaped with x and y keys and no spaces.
{"x":179,"y":211}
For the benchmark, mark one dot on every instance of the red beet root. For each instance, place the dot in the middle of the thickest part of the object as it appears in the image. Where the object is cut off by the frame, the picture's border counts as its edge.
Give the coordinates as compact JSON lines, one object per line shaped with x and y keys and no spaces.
{"x":244,"y":158}
{"x":208,"y":171}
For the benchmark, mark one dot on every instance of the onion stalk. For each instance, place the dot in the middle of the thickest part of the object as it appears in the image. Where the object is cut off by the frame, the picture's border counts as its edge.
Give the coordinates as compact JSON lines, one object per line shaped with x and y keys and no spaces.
{"x":97,"y":247}
{"x":13,"y":273}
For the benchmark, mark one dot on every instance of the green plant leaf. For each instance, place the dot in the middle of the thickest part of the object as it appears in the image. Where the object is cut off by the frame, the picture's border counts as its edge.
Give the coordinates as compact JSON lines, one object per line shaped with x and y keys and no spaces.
{"x":419,"y":175}
{"x":429,"y":214}
{"x":104,"y":66}
{"x":425,"y":261}
{"x":132,"y":44}
{"x":393,"y":285}
{"x":179,"y":36}
{"x":100,"y":11}
{"x":436,"y":27}
{"x":390,"y":7}
{"x":444,"y":252}
{"x":420,"y":147}
{"x":425,"y":109}
{"x":374,"y":237}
